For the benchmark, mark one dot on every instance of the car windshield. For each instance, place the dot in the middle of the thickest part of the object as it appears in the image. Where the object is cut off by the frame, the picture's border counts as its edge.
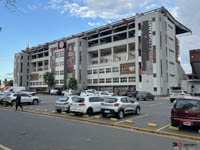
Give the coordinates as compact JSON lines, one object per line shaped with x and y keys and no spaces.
{"x":110,"y":100}
{"x":187,"y":104}
{"x":78,"y":100}
{"x":63,"y":99}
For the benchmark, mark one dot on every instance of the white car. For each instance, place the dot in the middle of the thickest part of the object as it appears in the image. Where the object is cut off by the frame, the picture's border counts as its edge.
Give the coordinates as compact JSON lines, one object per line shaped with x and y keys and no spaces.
{"x":25,"y":98}
{"x":86,"y":105}
{"x":2,"y":96}
{"x":90,"y":92}
{"x":105,"y":93}
{"x":29,"y":93}
{"x":178,"y":94}
{"x":119,"y":106}
{"x":53,"y":92}
{"x":63,"y":103}
{"x":69,"y":92}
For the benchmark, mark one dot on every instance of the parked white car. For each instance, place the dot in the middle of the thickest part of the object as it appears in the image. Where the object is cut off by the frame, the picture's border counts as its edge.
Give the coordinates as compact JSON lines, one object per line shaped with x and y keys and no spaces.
{"x":69,"y":92}
{"x":119,"y":106}
{"x":25,"y":98}
{"x":29,"y":93}
{"x":63,"y":103}
{"x":90,"y":92}
{"x":105,"y":93}
{"x":86,"y":105}
{"x":53,"y":92}
{"x":178,"y":94}
{"x":2,"y":96}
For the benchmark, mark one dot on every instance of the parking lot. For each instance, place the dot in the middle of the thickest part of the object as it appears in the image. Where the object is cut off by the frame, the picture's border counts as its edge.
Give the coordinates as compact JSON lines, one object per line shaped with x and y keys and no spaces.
{"x":154,"y":116}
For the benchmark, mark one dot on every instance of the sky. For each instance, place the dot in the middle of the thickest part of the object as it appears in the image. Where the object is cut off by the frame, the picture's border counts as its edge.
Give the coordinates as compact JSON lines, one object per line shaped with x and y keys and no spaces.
{"x":36,"y":22}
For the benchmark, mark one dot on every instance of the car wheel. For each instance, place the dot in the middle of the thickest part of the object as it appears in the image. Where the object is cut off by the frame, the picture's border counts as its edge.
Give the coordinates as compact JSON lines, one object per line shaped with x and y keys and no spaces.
{"x":89,"y":111}
{"x":171,"y":100}
{"x":137,"y":111}
{"x":145,"y":99}
{"x":121,"y":114}
{"x":103,"y":115}
{"x":35,"y":102}
{"x":13,"y":103}
{"x":137,"y":99}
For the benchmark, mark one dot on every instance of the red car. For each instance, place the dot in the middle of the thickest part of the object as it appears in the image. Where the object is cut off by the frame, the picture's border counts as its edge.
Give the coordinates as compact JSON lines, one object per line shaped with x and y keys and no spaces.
{"x":186,"y":112}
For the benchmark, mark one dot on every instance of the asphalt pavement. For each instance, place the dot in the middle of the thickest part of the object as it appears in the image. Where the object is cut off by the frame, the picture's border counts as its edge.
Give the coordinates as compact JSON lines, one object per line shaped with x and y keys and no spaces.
{"x":22,"y":131}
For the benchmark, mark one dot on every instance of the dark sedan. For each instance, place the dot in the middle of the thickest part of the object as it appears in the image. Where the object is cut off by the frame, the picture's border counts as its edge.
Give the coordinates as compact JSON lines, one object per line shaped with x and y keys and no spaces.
{"x":143,"y":95}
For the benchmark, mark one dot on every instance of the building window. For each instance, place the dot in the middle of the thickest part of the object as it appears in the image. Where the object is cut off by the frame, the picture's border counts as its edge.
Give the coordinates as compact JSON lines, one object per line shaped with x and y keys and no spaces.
{"x":61,"y":81}
{"x":140,"y":78}
{"x":57,"y":55}
{"x":154,"y":32}
{"x":115,"y":80}
{"x":95,"y":81}
{"x":61,"y":54}
{"x":155,"y":89}
{"x":140,"y":52}
{"x":56,"y":81}
{"x":108,"y":80}
{"x":153,"y":19}
{"x":123,"y":69}
{"x":101,"y":80}
{"x":62,"y":72}
{"x":131,"y":79}
{"x":171,"y":38}
{"x":57,"y":64}
{"x":108,"y":70}
{"x":95,"y":71}
{"x":89,"y":72}
{"x":139,"y":26}
{"x":101,"y":71}
{"x":57,"y":73}
{"x":115,"y":69}
{"x":62,"y":63}
{"x":154,"y":75}
{"x":89,"y":81}
{"x":123,"y":79}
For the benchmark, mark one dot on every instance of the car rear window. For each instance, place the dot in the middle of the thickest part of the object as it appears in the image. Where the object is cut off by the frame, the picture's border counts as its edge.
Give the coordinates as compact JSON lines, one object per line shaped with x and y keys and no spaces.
{"x":176,"y":92}
{"x":63,"y":99}
{"x":110,"y":100}
{"x":187,"y":104}
{"x":78,"y":100}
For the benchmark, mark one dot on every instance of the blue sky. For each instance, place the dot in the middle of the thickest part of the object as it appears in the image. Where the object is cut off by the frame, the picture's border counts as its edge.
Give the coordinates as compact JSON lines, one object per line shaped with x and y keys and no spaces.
{"x":40,"y":21}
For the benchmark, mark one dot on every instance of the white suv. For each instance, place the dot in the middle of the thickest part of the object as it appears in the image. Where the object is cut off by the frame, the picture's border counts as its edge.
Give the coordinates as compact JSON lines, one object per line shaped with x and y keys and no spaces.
{"x":178,"y":94}
{"x":25,"y":98}
{"x":86,"y":105}
{"x":119,"y":106}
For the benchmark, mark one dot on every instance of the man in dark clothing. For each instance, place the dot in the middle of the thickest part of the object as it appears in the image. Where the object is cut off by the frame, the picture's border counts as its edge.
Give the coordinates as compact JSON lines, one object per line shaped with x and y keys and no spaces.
{"x":18,"y":102}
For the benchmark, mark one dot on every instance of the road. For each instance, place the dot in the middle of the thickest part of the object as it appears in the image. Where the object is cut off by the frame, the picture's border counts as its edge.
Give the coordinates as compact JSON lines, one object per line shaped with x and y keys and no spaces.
{"x":22,"y":131}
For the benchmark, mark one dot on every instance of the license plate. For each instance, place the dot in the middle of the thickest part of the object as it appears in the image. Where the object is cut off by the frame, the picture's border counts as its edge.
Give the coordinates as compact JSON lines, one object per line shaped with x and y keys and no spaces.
{"x":187,"y":123}
{"x":107,"y":111}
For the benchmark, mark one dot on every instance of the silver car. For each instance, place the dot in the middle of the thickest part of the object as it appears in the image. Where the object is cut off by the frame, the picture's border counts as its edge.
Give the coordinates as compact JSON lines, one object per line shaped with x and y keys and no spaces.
{"x":63,"y":103}
{"x":119,"y":106}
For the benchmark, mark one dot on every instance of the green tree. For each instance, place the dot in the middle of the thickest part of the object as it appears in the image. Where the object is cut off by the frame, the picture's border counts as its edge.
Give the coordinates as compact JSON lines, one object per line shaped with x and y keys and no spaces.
{"x":10,"y":83}
{"x":72,"y":83}
{"x":49,"y":79}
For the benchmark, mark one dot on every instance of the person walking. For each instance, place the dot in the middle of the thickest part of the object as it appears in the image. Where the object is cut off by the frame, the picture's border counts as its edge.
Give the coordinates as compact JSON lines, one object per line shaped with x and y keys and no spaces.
{"x":18,"y":102}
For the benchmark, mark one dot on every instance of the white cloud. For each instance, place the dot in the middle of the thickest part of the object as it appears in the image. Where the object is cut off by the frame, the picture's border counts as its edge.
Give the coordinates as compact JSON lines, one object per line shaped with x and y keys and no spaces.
{"x":95,"y":24}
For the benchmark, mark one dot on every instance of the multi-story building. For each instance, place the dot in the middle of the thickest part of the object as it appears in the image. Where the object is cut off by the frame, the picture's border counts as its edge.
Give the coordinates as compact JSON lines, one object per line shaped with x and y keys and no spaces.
{"x":136,"y":53}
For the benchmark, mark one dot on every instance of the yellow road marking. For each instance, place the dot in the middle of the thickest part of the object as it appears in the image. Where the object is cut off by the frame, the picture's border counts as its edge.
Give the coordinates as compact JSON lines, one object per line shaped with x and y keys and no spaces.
{"x":97,"y":117}
{"x":113,"y":119}
{"x":152,"y":125}
{"x":174,"y":128}
{"x":128,"y":121}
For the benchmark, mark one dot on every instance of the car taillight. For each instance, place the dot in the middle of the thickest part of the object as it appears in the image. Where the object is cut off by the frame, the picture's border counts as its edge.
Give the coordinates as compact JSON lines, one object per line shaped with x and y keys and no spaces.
{"x":117,"y":104}
{"x":81,"y":104}
{"x":66,"y":103}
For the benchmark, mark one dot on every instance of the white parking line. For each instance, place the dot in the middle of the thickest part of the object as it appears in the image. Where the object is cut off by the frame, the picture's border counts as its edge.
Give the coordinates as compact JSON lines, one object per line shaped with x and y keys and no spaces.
{"x":133,"y":118}
{"x":163,"y":127}
{"x":4,"y":148}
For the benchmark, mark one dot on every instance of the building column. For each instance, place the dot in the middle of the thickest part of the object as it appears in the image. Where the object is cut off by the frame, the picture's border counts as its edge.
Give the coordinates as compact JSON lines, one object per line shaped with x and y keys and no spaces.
{"x":112,"y":54}
{"x":99,"y":56}
{"x":127,"y":47}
